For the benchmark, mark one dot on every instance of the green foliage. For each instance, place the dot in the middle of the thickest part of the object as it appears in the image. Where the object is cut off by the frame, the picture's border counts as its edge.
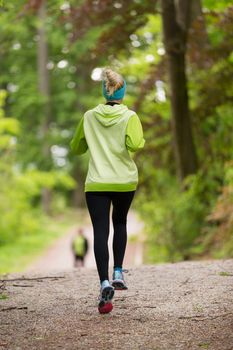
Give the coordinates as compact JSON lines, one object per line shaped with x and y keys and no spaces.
{"x":32,"y":181}
{"x":217,"y":233}
{"x":9,"y":127}
{"x":19,"y":189}
{"x":3,"y":296}
{"x":217,"y":6}
{"x":15,"y":208}
{"x":175,"y":218}
{"x":225,"y":273}
{"x":17,"y":256}
{"x":129,"y":38}
{"x":177,"y":223}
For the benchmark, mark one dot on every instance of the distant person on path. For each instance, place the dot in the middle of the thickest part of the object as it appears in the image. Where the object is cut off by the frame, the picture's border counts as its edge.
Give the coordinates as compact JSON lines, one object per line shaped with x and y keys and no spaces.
{"x":110,"y":131}
{"x":79,"y":248}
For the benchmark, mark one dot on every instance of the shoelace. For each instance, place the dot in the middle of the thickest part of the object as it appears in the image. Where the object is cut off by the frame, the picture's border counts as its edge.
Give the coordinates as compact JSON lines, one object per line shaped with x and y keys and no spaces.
{"x":125,"y":270}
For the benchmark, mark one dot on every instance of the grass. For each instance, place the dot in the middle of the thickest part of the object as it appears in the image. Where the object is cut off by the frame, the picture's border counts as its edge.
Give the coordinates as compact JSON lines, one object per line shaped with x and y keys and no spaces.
{"x":198,"y":308}
{"x":17,"y":256}
{"x":225,"y":273}
{"x":3,"y":296}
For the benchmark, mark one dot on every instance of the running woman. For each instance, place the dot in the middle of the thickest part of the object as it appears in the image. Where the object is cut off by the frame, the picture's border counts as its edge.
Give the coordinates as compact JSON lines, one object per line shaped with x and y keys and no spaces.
{"x":110,"y":132}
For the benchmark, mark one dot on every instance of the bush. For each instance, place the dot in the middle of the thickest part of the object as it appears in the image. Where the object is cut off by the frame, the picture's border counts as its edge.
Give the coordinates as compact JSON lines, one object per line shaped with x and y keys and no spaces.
{"x":217,"y":237}
{"x":174,"y":218}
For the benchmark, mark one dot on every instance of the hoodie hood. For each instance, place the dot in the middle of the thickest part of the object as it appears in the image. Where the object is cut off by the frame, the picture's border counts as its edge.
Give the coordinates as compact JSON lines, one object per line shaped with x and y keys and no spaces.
{"x":108,"y":115}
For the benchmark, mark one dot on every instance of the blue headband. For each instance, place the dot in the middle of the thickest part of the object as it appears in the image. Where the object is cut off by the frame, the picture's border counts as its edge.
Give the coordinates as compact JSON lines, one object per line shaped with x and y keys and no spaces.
{"x":117,"y":95}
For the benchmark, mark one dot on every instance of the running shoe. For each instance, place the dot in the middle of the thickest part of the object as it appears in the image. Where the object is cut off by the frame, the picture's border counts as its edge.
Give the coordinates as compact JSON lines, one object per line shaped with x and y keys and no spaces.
{"x":118,"y":281}
{"x":105,"y":297}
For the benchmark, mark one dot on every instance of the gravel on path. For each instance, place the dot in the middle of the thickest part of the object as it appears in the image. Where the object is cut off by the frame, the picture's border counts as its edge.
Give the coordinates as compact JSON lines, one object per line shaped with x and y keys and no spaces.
{"x":185,"y":305}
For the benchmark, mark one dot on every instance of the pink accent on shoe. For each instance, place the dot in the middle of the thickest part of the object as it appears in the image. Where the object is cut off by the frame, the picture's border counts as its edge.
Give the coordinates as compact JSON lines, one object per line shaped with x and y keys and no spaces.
{"x":106,"y":308}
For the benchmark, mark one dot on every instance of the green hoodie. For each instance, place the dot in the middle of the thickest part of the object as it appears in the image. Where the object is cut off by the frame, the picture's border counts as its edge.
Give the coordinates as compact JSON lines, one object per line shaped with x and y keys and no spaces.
{"x":110,"y":133}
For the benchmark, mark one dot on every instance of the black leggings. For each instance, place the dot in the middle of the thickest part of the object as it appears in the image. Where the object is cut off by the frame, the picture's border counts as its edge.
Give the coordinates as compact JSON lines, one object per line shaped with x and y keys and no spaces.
{"x":98,"y":204}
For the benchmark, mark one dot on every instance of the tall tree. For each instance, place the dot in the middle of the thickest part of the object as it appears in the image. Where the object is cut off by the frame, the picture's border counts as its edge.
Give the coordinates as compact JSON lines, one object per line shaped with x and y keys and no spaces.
{"x":177,"y":16}
{"x":44,"y":89}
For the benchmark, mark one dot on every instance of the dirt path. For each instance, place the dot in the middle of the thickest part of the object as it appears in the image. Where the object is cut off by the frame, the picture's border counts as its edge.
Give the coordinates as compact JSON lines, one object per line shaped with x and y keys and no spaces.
{"x":59,"y":255}
{"x":186,"y":306}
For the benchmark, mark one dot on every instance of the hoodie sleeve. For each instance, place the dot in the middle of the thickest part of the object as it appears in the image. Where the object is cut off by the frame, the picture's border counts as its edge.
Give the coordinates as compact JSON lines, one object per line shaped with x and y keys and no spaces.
{"x":134,"y":134}
{"x":78,"y":144}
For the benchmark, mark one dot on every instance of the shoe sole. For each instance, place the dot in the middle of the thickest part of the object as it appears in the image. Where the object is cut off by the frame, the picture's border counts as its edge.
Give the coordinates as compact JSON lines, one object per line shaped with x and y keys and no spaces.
{"x":119,"y":285}
{"x":105,"y":304}
{"x":106,"y":308}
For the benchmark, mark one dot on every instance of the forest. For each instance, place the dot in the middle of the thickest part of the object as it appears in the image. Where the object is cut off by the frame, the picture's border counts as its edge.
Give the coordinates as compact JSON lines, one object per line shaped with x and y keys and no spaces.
{"x":177,"y":59}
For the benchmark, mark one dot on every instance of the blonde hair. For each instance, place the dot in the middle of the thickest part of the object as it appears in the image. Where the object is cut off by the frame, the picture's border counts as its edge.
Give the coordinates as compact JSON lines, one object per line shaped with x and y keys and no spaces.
{"x":113,"y":80}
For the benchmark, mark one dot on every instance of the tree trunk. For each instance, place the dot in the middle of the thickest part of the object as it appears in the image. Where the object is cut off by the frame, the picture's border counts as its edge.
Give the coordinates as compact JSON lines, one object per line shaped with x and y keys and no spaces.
{"x":44,"y":89}
{"x":78,"y":195}
{"x":175,"y":37}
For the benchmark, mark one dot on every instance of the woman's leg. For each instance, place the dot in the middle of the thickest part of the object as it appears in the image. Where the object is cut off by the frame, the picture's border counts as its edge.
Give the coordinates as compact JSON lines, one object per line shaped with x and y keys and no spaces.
{"x":98,"y":204}
{"x":121,"y":204}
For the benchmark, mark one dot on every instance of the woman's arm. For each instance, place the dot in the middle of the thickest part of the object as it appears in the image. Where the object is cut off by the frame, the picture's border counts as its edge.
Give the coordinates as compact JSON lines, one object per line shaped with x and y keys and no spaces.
{"x":134,"y":134}
{"x":78,"y":143}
